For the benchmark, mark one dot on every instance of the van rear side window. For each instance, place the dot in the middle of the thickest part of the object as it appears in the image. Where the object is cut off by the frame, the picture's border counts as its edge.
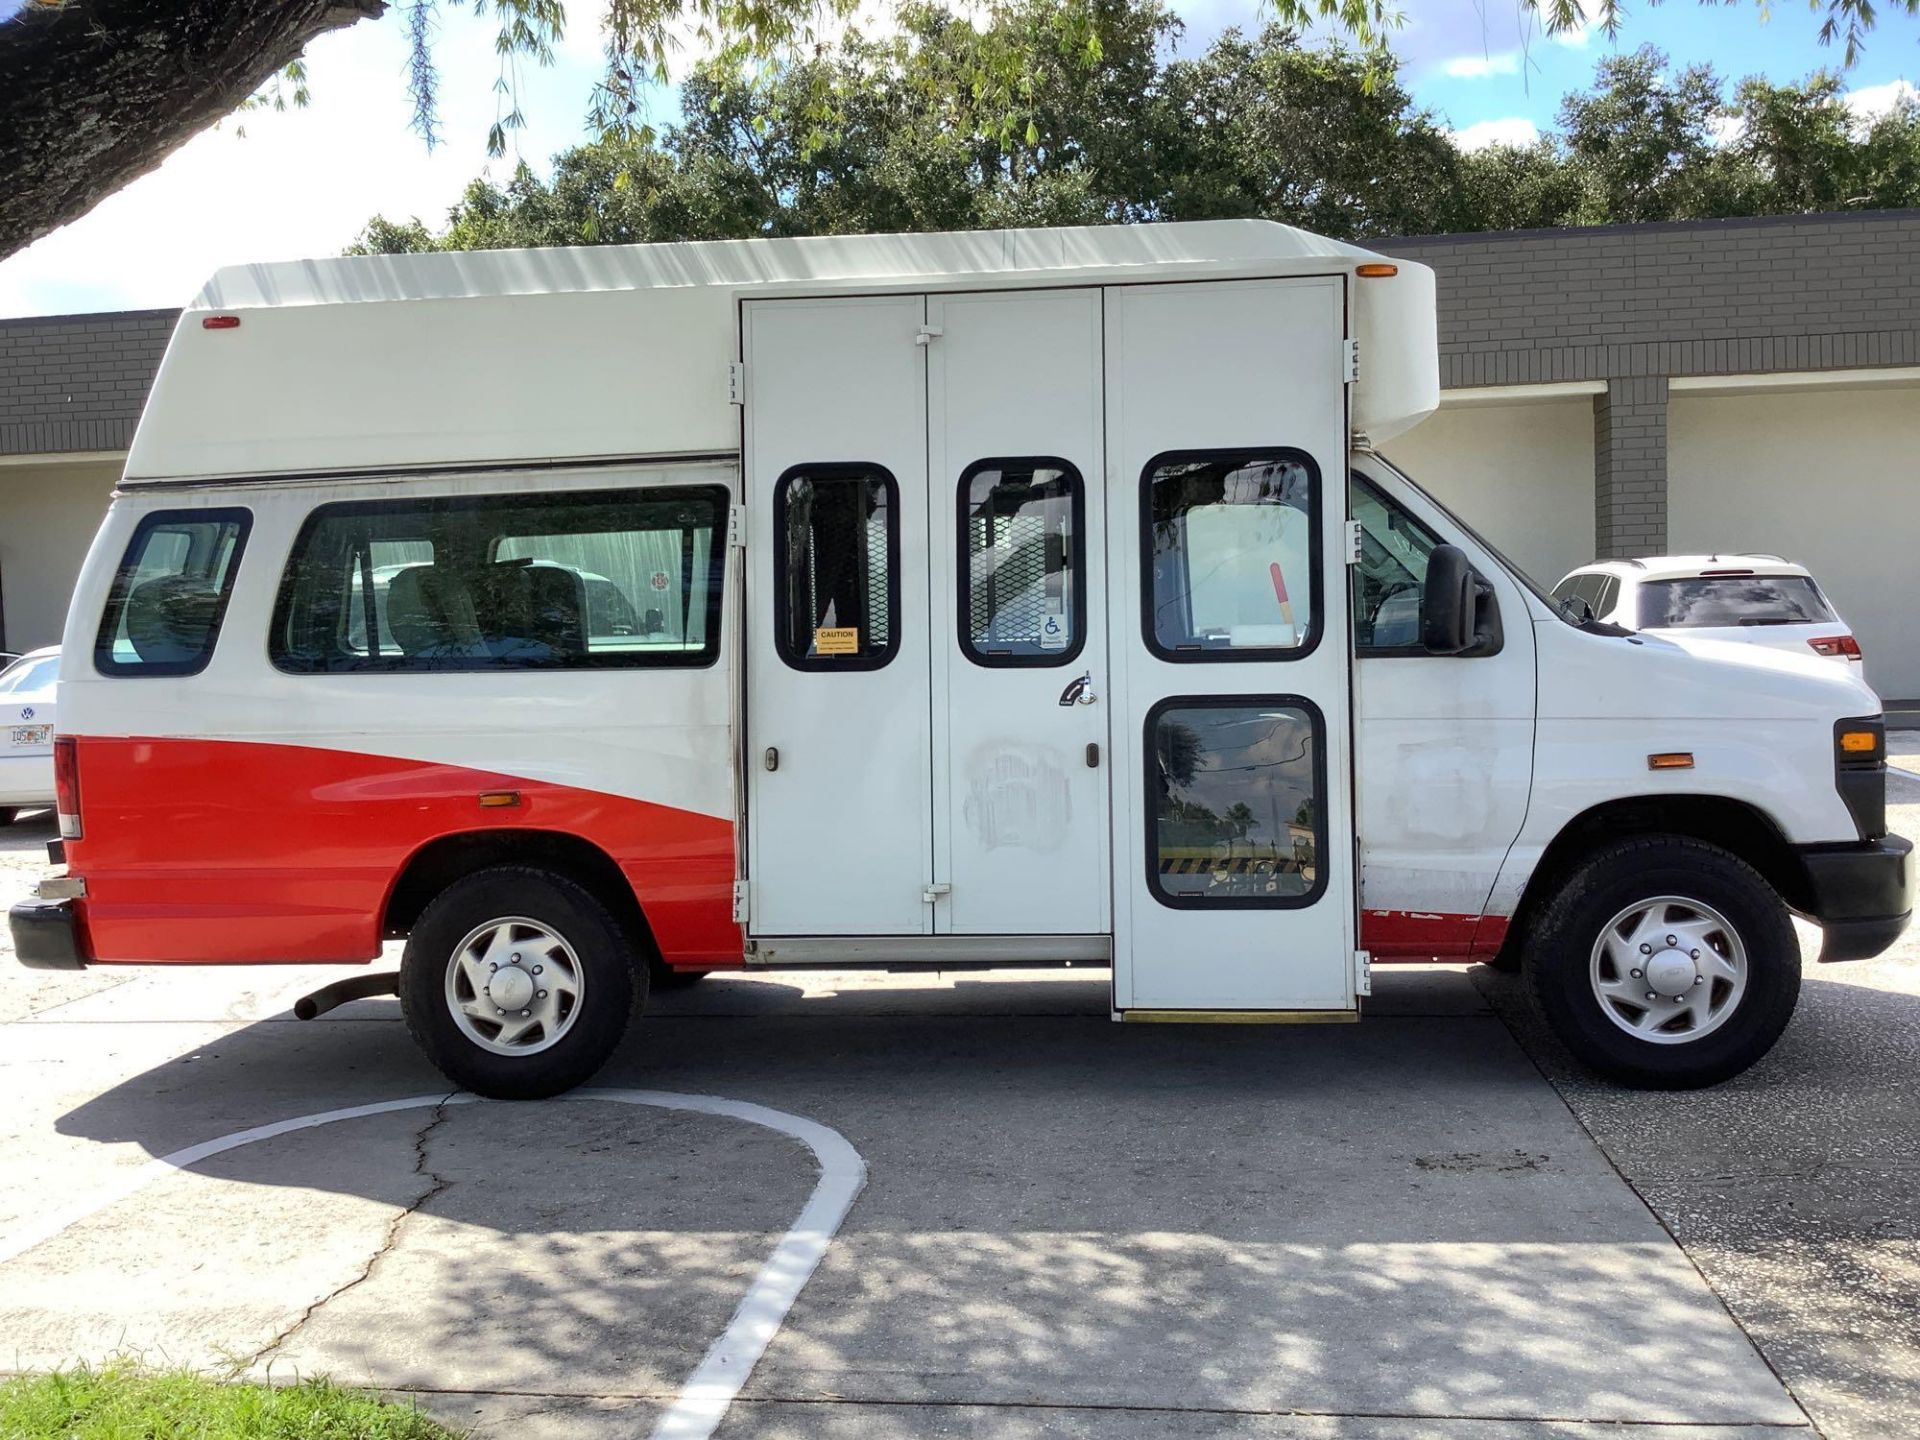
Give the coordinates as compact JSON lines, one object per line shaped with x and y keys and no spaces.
{"x":582,"y":580}
{"x":170,"y":594}
{"x":836,"y":556}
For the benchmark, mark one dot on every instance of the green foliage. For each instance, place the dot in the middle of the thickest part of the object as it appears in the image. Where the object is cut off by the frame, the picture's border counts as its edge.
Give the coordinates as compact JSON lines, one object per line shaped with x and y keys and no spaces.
{"x":744,"y":35}
{"x":1317,"y":137}
{"x":1640,"y":140}
{"x":123,"y":1402}
{"x":949,"y":124}
{"x":1647,"y":143}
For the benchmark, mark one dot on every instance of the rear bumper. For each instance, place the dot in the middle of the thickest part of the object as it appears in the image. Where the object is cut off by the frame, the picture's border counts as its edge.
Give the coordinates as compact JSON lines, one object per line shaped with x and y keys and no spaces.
{"x":1862,"y":895}
{"x":46,"y":935}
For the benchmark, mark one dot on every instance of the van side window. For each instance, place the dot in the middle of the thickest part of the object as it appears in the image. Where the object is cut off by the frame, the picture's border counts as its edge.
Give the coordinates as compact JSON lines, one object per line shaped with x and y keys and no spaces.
{"x":1021,"y":560}
{"x":170,"y":594}
{"x":1236,"y":789}
{"x":836,"y":553}
{"x":1230,"y":554}
{"x":1389,"y":583}
{"x":580,"y":580}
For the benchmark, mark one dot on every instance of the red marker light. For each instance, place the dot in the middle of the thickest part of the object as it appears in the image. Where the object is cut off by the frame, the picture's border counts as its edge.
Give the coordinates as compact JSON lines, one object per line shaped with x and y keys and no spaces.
{"x":220,"y":322}
{"x":66,"y":786}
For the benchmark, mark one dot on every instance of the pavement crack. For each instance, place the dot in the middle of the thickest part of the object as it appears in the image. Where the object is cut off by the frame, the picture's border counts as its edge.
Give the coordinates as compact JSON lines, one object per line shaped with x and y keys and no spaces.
{"x":438,"y":1185}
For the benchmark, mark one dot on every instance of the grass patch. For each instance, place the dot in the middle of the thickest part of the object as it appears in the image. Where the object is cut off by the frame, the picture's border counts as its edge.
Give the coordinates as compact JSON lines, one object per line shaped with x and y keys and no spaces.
{"x":126,"y":1402}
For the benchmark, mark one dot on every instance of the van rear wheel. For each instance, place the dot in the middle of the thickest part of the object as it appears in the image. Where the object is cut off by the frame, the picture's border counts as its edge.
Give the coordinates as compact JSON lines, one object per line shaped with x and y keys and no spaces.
{"x":1665,"y":963}
{"x":518,"y":983}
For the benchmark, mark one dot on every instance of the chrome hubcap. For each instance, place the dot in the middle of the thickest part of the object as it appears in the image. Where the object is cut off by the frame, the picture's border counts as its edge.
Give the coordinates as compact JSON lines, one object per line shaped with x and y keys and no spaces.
{"x":1668,"y":970}
{"x":514,"y":986}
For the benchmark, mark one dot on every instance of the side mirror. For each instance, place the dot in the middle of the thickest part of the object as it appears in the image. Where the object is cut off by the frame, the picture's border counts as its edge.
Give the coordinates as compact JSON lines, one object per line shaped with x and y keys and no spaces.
{"x":1448,"y":602}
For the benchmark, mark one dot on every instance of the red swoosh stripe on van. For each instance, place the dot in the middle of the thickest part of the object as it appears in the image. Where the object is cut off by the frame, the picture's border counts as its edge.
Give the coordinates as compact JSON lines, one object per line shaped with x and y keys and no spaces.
{"x":230,"y":852}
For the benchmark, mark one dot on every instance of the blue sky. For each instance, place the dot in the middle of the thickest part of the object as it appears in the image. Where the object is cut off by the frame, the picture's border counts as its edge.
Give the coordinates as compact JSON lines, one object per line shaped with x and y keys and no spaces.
{"x":283,"y":186}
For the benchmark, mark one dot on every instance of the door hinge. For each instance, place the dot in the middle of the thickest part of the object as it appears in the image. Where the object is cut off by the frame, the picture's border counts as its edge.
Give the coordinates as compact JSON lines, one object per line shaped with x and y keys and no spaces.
{"x":1349,"y":361}
{"x":927,"y":334}
{"x":736,"y":382}
{"x":741,"y":892}
{"x":933,"y":892}
{"x":1355,"y":537}
{"x":1363,"y":972}
{"x":736,"y":527}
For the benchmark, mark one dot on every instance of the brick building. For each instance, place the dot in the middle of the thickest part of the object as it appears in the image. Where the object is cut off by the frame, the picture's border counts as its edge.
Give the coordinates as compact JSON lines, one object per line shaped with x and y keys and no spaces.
{"x":1742,"y":384}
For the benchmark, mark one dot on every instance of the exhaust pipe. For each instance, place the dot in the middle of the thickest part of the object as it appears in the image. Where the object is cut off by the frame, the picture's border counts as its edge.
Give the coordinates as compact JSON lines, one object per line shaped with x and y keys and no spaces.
{"x":359,"y":987}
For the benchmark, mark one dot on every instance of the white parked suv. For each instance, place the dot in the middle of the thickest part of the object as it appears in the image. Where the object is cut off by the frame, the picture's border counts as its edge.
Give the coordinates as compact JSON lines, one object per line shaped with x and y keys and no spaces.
{"x":26,"y":732}
{"x":1754,"y":599}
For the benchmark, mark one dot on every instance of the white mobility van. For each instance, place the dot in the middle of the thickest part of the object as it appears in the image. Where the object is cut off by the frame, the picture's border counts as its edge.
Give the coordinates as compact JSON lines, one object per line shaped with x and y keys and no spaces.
{"x":592,"y":618}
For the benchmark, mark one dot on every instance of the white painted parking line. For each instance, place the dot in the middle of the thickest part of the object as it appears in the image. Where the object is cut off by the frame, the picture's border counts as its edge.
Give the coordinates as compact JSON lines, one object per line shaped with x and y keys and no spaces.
{"x":707,"y":1393}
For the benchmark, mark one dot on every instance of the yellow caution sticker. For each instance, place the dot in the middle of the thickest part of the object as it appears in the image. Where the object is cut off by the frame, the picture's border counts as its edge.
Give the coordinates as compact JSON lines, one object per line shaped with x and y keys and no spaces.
{"x":837,"y":640}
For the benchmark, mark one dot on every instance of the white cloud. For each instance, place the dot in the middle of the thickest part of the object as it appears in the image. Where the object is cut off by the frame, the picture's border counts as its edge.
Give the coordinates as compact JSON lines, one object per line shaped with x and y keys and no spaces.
{"x":1479,"y":67}
{"x":1872,"y":101}
{"x":1509,"y":130}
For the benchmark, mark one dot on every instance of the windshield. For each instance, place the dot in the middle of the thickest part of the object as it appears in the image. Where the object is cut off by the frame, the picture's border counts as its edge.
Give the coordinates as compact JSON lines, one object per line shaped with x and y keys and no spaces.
{"x":1732,"y":600}
{"x":25,"y":676}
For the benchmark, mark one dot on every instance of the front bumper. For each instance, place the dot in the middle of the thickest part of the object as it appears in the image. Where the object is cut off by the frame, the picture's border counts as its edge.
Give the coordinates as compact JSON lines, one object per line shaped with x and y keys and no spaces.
{"x":1862,"y":895}
{"x":46,"y":935}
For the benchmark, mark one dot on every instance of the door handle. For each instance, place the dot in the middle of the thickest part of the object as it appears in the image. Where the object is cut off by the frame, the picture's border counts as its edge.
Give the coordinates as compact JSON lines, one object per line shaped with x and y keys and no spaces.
{"x":1079,"y":691}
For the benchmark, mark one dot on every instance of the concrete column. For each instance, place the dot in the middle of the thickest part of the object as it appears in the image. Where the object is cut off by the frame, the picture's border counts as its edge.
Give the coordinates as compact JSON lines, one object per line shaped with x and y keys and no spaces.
{"x":1630,"y":466}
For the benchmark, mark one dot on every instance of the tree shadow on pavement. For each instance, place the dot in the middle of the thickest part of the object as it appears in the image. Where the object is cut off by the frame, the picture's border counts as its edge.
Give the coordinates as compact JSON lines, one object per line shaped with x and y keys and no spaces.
{"x":1791,"y":1186}
{"x":1395,"y":1218}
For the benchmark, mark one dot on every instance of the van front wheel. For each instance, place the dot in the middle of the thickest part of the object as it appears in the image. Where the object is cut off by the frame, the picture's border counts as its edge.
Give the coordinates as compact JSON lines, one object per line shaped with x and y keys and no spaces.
{"x":518,"y":983}
{"x":1666,"y":963}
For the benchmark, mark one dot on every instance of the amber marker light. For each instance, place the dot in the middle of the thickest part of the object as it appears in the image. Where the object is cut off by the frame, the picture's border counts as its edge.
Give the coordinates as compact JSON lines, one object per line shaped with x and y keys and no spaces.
{"x":1671,"y":760}
{"x":1374,"y":271}
{"x":499,"y":799}
{"x":1859,"y":742}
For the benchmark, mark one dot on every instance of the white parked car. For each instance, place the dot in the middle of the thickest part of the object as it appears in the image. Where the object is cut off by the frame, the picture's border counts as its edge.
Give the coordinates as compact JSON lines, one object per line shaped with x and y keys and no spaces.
{"x":1756,"y":599}
{"x":26,"y":732}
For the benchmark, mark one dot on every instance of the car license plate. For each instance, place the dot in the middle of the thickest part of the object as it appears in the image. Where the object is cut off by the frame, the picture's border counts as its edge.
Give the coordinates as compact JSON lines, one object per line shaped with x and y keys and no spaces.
{"x":33,"y":735}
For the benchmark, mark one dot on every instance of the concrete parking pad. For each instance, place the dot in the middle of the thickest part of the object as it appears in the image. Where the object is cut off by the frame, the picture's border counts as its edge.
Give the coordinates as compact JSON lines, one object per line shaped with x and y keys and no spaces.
{"x":1388,"y":1219}
{"x":1070,"y":1228}
{"x":1796,"y":1187}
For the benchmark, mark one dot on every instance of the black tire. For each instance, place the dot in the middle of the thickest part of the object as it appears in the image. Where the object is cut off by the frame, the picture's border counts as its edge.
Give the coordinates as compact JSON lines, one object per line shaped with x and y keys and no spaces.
{"x":1511,"y":955}
{"x":8,"y":814}
{"x":614,"y":981}
{"x":1560,"y":957}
